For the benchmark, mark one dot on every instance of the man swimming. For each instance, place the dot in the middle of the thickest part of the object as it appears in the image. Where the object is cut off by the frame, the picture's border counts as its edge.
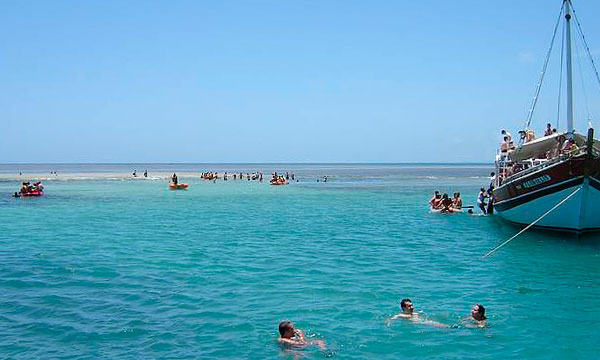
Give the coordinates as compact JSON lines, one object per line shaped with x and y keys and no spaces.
{"x":291,"y":337}
{"x":408,"y":312}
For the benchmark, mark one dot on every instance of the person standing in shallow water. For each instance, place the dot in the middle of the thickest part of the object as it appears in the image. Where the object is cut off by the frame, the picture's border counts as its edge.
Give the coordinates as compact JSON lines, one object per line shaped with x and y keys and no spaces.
{"x":481,"y":200}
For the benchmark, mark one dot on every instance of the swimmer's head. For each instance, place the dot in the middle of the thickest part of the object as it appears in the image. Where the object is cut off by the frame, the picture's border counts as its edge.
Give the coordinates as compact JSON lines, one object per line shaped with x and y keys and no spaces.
{"x":478,"y":312}
{"x":286,"y":329}
{"x":406,"y":306}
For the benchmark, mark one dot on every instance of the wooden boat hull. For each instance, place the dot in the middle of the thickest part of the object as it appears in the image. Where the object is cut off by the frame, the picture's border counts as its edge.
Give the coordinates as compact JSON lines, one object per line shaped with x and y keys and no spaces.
{"x":525,"y":199}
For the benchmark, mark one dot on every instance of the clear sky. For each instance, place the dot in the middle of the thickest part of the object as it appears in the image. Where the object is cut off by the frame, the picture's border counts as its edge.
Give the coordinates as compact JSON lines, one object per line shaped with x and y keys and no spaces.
{"x":274,"y":81}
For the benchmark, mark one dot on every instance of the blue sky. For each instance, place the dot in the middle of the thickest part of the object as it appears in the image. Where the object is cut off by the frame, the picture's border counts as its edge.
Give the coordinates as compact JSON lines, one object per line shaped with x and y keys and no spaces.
{"x":275,"y":81}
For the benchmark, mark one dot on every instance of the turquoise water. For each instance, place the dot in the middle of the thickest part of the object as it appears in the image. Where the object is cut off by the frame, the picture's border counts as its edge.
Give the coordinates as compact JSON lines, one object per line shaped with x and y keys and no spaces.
{"x":128,"y":269}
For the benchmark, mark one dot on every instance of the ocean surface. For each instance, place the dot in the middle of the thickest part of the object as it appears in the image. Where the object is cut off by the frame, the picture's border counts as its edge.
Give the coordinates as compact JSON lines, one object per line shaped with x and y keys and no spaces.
{"x":108,"y":266}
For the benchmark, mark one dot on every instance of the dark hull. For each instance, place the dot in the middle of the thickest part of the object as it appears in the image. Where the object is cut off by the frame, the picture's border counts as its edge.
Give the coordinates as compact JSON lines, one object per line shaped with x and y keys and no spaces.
{"x":525,"y":198}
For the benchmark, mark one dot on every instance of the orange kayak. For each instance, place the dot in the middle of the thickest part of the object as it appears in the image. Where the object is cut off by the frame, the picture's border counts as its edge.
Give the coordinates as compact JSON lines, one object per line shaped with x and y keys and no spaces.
{"x":178,"y":186}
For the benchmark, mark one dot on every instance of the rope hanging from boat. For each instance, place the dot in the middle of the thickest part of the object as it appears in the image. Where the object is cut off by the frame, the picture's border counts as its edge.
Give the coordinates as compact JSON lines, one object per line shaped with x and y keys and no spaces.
{"x":585,"y":98}
{"x":587,"y":48}
{"x":541,"y":80}
{"x":533,"y":223}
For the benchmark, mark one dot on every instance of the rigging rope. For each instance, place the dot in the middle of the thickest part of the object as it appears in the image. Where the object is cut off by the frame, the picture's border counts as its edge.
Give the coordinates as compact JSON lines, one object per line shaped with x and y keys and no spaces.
{"x":587,"y":48}
{"x":585,"y":98}
{"x":541,"y":80}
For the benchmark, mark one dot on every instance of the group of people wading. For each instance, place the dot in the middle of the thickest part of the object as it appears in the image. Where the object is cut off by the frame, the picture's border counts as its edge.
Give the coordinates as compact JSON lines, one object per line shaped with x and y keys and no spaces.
{"x":276,"y":179}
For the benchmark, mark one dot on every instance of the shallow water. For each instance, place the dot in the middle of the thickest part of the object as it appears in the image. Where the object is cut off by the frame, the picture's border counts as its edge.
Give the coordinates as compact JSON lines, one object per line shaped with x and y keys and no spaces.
{"x":128,"y":269}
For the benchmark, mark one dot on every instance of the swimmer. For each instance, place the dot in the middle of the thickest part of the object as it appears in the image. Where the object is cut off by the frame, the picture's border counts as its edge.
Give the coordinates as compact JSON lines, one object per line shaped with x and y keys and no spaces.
{"x":408,"y":312}
{"x":477,"y":318}
{"x":291,"y":337}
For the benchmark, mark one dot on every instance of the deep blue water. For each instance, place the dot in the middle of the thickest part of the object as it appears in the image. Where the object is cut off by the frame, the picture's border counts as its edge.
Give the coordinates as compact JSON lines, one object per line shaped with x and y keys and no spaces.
{"x":102,"y":268}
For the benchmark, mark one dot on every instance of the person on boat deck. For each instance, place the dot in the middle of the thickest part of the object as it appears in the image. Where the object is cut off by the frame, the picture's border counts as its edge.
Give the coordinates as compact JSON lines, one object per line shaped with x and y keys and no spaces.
{"x":481,"y":200}
{"x":548,"y":130}
{"x":174,"y":178}
{"x":570,"y":146}
{"x":457,"y":201}
{"x":145,"y":173}
{"x":506,"y":134}
{"x":527,"y":135}
{"x":292,"y":337}
{"x":504,"y":145}
{"x":134,"y":173}
{"x":477,"y":318}
{"x":492,"y":180}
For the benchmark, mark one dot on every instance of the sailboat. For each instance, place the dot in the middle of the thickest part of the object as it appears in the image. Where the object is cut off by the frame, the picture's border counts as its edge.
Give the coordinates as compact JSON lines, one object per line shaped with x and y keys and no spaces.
{"x":552,"y":182}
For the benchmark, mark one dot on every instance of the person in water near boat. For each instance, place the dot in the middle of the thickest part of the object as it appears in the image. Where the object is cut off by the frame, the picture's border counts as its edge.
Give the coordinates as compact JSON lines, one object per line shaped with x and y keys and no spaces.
{"x":477,"y":319}
{"x":457,"y":201}
{"x":291,"y":337}
{"x":436,"y":200}
{"x":446,"y":205}
{"x":481,"y":200}
{"x":408,"y":313}
{"x":174,"y":179}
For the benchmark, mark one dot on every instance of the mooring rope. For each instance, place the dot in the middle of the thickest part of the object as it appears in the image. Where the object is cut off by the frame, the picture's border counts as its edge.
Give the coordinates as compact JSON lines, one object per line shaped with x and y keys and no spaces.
{"x":533,"y":223}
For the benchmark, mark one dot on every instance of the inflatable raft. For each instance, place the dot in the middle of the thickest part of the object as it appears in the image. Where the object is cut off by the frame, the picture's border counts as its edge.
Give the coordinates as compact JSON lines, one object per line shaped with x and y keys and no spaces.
{"x":178,"y":186}
{"x":32,"y":194}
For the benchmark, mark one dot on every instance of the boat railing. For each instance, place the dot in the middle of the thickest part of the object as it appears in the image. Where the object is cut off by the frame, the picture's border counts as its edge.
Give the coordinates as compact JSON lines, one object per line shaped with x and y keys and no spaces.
{"x":542,"y":164}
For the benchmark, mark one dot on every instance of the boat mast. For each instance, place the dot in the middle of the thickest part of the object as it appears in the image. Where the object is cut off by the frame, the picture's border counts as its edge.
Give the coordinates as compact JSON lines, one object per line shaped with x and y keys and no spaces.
{"x":569,"y":71}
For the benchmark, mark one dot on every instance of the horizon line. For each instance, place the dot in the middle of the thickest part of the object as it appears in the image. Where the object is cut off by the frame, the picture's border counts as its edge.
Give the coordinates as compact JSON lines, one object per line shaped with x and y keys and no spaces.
{"x":256,"y":163}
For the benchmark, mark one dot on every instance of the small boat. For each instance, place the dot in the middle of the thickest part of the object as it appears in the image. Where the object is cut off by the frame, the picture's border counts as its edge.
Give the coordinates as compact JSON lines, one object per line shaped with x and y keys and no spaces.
{"x":178,"y":186}
{"x":279,"y":182}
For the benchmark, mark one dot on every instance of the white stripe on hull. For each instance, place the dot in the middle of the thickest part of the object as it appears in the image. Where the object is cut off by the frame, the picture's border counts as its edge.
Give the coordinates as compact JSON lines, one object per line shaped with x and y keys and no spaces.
{"x":579,"y":213}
